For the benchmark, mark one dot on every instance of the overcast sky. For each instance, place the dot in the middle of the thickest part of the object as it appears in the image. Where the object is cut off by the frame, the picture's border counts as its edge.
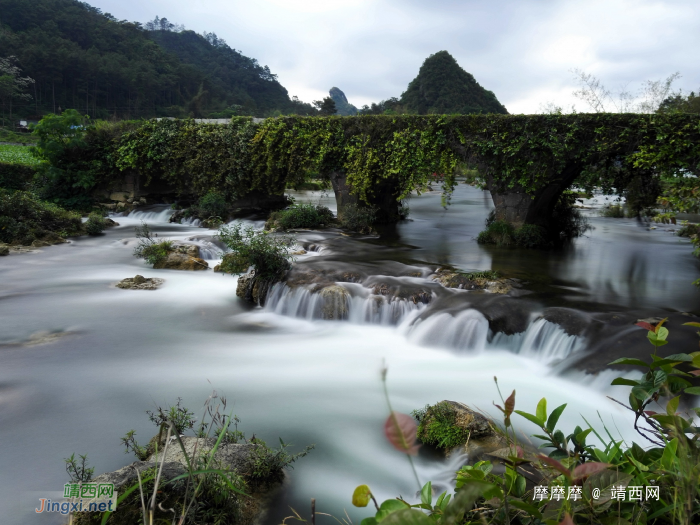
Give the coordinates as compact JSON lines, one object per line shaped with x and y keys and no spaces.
{"x":522,"y":50}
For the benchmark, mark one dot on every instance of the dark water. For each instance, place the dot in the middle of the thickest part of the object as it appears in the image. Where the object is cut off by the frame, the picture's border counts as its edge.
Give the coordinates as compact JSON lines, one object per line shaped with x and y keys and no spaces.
{"x":115,"y":353}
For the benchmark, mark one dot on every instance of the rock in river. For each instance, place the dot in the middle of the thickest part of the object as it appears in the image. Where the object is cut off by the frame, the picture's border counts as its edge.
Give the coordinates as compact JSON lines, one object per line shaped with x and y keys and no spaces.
{"x":140,"y":282}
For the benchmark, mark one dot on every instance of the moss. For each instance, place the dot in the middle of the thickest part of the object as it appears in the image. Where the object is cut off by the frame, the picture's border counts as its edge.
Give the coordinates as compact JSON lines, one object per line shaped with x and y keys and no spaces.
{"x":437,"y":426}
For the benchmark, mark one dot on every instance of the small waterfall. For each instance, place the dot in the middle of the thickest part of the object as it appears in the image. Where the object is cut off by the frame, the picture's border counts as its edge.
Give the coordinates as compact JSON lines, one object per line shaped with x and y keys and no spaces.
{"x":337,"y":303}
{"x":466,"y":331}
{"x":547,"y":342}
{"x":191,"y":221}
{"x":162,"y":215}
{"x":469,"y":331}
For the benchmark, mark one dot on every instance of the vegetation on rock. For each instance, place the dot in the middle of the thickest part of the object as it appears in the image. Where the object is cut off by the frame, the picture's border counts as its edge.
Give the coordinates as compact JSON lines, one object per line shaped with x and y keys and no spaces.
{"x":268,"y":253}
{"x":300,"y":216}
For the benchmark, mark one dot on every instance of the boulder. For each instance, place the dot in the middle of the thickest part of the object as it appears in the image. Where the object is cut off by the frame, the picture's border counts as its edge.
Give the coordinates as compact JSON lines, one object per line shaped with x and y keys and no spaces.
{"x":140,"y":282}
{"x":109,"y":223}
{"x":464,"y":281}
{"x":571,"y":321}
{"x":183,"y":257}
{"x":252,"y":288}
{"x":336,"y":301}
{"x":237,"y":457}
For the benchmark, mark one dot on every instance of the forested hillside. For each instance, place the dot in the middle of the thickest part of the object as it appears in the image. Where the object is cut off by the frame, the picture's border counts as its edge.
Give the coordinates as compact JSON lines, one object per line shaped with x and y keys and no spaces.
{"x":84,"y":59}
{"x":441,"y":86}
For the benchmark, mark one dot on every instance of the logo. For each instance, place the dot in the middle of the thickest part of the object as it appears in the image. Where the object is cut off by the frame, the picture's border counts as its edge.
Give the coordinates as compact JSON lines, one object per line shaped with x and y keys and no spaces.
{"x":81,"y":497}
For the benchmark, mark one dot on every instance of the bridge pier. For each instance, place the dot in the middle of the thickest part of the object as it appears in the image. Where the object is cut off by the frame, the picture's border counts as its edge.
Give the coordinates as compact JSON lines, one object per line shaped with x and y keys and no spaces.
{"x":384,"y":198}
{"x":517,"y":207}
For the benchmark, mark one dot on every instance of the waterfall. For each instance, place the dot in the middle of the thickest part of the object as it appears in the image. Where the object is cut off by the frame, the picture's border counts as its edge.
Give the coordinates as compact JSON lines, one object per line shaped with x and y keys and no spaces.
{"x":162,"y":215}
{"x":547,"y":342}
{"x":351,"y":302}
{"x":468,"y":331}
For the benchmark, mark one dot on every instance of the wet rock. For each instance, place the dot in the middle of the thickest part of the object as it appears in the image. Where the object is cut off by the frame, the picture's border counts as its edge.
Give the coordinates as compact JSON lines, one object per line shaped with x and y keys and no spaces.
{"x":506,"y":315}
{"x":237,"y":457}
{"x":459,"y":427}
{"x":253,"y":289}
{"x":303,"y":276}
{"x":183,"y":257}
{"x":571,"y":321}
{"x":475,"y":281}
{"x":4,"y":250}
{"x":336,"y":301}
{"x":299,"y":252}
{"x":109,"y":223}
{"x":40,"y":244}
{"x":139,"y":282}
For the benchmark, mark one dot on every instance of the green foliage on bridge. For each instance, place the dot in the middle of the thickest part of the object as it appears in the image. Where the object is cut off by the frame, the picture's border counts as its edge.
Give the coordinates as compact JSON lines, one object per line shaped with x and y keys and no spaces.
{"x":524,"y":153}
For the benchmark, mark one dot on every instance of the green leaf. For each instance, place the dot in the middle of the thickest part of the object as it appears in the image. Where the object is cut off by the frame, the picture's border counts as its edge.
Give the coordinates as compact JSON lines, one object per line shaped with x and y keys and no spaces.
{"x":531,"y":418}
{"x":554,"y":417}
{"x":369,"y":521}
{"x":581,"y":436}
{"x":530,"y":509}
{"x":672,"y":405}
{"x":694,"y":390}
{"x":405,"y":517}
{"x":361,"y":496}
{"x":541,"y":412}
{"x":669,"y":456}
{"x":662,"y":333}
{"x":426,"y":494}
{"x":679,"y":357}
{"x":630,"y":361}
{"x":641,"y":393}
{"x":624,"y":382}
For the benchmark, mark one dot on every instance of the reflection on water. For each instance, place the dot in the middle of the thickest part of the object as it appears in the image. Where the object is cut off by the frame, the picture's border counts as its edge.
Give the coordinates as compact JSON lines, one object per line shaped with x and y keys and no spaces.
{"x":290,"y":373}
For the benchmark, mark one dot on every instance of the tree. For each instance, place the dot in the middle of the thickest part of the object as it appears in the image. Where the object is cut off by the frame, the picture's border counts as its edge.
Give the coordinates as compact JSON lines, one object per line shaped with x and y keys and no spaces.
{"x":325,"y":107}
{"x":677,"y":103}
{"x":602,"y":100}
{"x":12,"y":85}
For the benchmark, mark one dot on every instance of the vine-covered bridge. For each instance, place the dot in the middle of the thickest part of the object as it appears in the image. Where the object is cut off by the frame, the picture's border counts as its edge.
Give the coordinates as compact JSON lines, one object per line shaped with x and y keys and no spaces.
{"x":526,"y":161}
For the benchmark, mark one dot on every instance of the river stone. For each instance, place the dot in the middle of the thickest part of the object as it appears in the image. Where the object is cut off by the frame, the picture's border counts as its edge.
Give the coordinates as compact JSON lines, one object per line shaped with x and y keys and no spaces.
{"x":4,"y":250}
{"x":253,"y":289}
{"x":181,"y":261}
{"x":126,"y":476}
{"x":336,"y":301}
{"x":571,"y":321}
{"x":506,"y":314}
{"x":237,"y":457}
{"x":140,"y":282}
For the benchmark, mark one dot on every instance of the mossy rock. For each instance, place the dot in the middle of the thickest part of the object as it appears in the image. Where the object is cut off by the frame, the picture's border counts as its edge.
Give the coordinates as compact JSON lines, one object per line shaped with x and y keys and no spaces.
{"x":449,"y":424}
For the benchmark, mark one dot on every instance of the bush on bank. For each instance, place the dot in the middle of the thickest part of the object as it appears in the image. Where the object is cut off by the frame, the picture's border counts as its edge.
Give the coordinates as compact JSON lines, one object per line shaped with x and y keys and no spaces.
{"x":25,"y":219}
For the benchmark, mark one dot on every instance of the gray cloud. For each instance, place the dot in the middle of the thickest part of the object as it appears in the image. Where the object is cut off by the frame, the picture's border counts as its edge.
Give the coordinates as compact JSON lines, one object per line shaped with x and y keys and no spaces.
{"x":523,"y":50}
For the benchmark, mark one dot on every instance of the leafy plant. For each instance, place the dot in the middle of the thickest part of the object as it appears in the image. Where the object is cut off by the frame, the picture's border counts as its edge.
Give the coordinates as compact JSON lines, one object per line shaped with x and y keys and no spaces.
{"x":95,"y":224}
{"x":616,"y":211}
{"x":300,"y":216}
{"x":148,"y":248}
{"x":180,"y":417}
{"x":78,"y":469}
{"x":267,"y":253}
{"x":358,"y":218}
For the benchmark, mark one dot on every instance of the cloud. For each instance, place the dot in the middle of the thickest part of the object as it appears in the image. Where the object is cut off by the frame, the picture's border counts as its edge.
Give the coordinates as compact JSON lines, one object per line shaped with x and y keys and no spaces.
{"x":522,"y":50}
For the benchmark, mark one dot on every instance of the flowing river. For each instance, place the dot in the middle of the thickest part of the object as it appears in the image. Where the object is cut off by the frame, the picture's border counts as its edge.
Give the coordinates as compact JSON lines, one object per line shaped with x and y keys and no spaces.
{"x":82,"y":360}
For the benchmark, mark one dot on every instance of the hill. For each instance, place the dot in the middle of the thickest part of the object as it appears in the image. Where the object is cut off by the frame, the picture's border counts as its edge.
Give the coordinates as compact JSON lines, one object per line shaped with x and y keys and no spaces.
{"x":441,"y":87}
{"x":343,"y":107}
{"x":84,"y":59}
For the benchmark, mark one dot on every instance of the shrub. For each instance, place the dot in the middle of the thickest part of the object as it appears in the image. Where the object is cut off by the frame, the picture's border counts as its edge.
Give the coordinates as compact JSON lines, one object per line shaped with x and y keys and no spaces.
{"x":530,"y":236}
{"x":24,"y":218}
{"x":266,"y":252}
{"x":499,"y":233}
{"x":147,"y":248}
{"x":212,"y":205}
{"x":16,"y":176}
{"x":95,"y":224}
{"x":300,"y":216}
{"x":358,"y":218}
{"x":616,"y":211}
{"x":688,"y":230}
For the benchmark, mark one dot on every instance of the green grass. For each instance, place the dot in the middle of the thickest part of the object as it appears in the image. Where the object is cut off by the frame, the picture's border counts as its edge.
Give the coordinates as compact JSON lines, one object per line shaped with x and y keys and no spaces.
{"x":17,"y":155}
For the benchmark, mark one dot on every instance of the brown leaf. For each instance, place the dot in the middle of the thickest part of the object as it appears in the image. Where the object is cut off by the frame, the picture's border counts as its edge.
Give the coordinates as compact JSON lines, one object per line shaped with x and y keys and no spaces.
{"x":587,"y":469}
{"x":400,"y":429}
{"x":567,"y":520}
{"x":646,"y":326}
{"x":510,"y":404}
{"x":659,"y":324}
{"x":555,"y":464}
